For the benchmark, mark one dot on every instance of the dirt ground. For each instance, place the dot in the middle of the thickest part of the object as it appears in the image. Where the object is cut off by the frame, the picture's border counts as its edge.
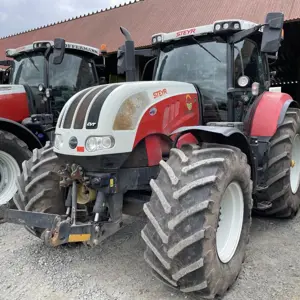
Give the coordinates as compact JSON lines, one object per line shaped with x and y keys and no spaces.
{"x":115,"y":270}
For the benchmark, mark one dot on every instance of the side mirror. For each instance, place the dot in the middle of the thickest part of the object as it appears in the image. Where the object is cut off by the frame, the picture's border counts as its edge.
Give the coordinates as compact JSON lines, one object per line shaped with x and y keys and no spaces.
{"x":272,"y":33}
{"x":58,"y":51}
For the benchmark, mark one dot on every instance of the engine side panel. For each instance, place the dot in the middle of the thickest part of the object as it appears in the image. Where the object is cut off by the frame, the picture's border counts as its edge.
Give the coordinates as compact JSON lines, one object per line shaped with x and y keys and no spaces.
{"x":13,"y":102}
{"x":127,"y":111}
{"x":169,"y":114}
{"x":162,"y":119}
{"x":267,"y":115}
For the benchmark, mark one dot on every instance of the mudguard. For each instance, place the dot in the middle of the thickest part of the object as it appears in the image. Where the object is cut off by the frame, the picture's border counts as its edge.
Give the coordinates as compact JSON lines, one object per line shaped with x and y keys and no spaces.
{"x":223,"y":135}
{"x":13,"y":102}
{"x":268,"y":112}
{"x":265,"y":116}
{"x":21,"y":132}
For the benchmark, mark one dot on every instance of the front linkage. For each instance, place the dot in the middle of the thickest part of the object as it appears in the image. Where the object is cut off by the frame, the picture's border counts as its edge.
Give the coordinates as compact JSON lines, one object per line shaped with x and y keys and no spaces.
{"x":61,"y":229}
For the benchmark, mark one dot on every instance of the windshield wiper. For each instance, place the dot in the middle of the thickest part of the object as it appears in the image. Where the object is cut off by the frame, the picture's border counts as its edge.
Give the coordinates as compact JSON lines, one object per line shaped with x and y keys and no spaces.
{"x":162,"y":66}
{"x":32,"y":61}
{"x":205,"y":49}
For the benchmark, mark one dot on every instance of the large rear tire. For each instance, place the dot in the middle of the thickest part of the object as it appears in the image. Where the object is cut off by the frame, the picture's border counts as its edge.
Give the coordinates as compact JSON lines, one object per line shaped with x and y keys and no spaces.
{"x":283,"y":169}
{"x":13,"y":152}
{"x":38,"y":185}
{"x":199,"y":218}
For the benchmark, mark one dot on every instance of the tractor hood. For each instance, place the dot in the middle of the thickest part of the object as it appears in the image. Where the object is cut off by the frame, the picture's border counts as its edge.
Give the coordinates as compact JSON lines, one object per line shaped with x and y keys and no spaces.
{"x":13,"y":102}
{"x":116,"y":110}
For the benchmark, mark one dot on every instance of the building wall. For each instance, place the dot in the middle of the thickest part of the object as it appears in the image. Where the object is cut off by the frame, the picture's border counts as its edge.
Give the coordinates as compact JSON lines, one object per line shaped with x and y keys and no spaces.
{"x":147,"y":17}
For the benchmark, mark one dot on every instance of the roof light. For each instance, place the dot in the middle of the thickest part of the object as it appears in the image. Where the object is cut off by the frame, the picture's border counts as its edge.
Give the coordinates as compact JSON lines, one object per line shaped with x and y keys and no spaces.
{"x":218,"y":27}
{"x":236,"y":26}
{"x":103,"y":49}
{"x":157,"y":39}
{"x":41,"y":45}
{"x":227,"y":26}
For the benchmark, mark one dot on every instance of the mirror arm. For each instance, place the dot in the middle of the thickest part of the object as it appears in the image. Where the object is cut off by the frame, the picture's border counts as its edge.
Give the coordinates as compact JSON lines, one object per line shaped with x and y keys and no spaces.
{"x":239,"y":36}
{"x":275,"y":57}
{"x":144,"y":52}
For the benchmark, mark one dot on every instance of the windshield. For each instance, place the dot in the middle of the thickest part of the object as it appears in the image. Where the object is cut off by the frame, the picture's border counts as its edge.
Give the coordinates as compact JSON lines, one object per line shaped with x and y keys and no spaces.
{"x":29,"y":69}
{"x":75,"y":73}
{"x":204,"y":65}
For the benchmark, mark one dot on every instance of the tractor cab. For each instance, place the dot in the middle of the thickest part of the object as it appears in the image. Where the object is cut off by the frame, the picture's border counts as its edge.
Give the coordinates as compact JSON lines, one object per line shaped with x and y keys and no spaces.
{"x":52,"y":72}
{"x":227,"y":61}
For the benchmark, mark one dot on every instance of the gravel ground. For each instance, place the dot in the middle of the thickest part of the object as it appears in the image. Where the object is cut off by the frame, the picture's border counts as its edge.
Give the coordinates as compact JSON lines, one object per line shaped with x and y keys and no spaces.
{"x":115,"y":270}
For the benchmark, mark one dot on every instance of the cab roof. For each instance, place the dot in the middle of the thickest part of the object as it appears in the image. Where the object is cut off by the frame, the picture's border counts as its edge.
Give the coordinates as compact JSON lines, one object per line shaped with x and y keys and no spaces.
{"x":39,"y":45}
{"x":202,"y":30}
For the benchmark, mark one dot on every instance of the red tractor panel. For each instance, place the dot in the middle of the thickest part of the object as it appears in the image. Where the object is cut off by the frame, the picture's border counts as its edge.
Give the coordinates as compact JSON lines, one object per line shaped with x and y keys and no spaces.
{"x":14,"y":103}
{"x":162,"y":119}
{"x":269,"y":111}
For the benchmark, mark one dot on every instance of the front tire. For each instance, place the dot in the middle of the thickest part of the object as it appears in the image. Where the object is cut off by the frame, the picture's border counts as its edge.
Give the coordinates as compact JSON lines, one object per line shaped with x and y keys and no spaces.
{"x":38,"y":185}
{"x":188,"y":247}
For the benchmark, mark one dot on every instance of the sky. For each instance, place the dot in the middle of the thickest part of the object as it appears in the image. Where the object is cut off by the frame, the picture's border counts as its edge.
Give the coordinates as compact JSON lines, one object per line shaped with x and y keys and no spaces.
{"x":21,"y":15}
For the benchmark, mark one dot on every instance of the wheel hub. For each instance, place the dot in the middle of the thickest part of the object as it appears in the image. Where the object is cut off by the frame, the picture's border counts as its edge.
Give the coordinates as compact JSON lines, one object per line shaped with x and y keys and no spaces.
{"x":230,"y":222}
{"x":295,"y":165}
{"x":9,"y":171}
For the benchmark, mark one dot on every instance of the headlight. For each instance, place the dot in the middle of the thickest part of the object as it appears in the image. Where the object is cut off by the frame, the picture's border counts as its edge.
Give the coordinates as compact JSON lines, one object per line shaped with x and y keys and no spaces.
{"x":243,"y":81}
{"x":48,"y":93}
{"x":95,"y":143}
{"x":41,"y":87}
{"x":58,"y":141}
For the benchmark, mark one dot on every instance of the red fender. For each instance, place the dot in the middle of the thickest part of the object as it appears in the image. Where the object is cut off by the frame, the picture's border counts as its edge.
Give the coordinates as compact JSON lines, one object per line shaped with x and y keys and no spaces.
{"x":269,"y":113}
{"x":154,"y":149}
{"x":14,"y":106}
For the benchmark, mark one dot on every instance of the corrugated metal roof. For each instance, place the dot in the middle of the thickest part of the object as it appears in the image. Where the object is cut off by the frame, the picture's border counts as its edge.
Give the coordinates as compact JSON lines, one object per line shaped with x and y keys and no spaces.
{"x":146,"y":17}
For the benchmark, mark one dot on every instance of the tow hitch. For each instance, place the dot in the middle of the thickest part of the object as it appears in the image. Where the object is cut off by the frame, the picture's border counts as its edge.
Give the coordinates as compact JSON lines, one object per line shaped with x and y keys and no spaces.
{"x":62,"y":229}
